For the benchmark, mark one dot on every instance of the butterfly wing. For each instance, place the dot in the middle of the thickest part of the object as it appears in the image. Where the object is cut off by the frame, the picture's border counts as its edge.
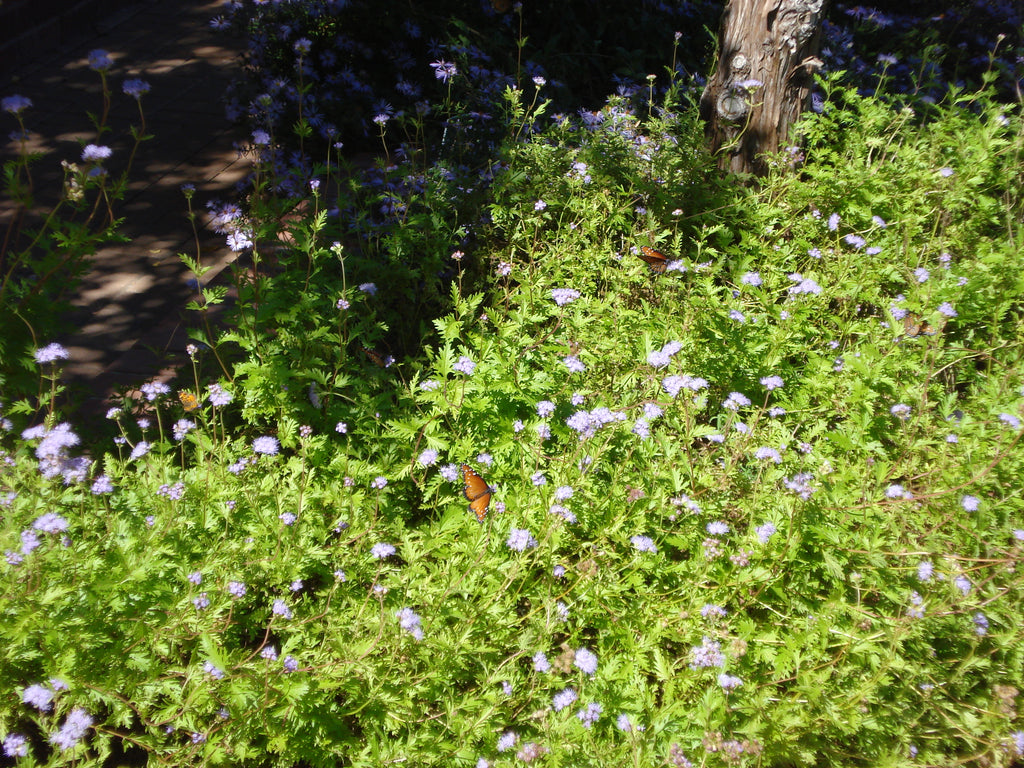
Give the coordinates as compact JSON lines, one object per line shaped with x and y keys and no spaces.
{"x":477,"y":492}
{"x":188,"y":401}
{"x":376,"y":357}
{"x":914,"y":325}
{"x":657,"y":261}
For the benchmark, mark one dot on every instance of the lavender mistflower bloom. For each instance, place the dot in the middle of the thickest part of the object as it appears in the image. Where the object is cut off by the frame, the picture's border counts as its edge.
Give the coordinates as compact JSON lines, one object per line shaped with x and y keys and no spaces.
{"x":854,"y":240}
{"x":1010,"y":420}
{"x":800,"y":484}
{"x":267,"y":445}
{"x":922,"y":274}
{"x":563,"y":492}
{"x":925,"y":569}
{"x":540,"y":662}
{"x":917,"y":609}
{"x":735,"y":400}
{"x":342,"y":304}
{"x":382,"y":550}
{"x":540,"y":205}
{"x":970,"y":503}
{"x":136,"y":88}
{"x":181,"y":428}
{"x":717,"y":528}
{"x":428,"y":458}
{"x":50,"y":522}
{"x":765,"y":532}
{"x":236,"y":589}
{"x":586,"y":661}
{"x":269,"y":653}
{"x":642,"y":429}
{"x":707,"y":654}
{"x":100,"y":60}
{"x":563,"y":699}
{"x":545,"y":408}
{"x":290,"y":664}
{"x":465,"y":365}
{"x":520,"y":540}
{"x":563,"y":296}
{"x":658,"y":359}
{"x":15,"y":104}
{"x":729,"y":682}
{"x":946,"y":309}
{"x":288,"y":518}
{"x":833,"y":222}
{"x":803,"y":285}
{"x":260,"y":137}
{"x":945,"y":172}
{"x":38,"y":696}
{"x":765,"y":453}
{"x":196,"y":577}
{"x":29,"y":541}
{"x":95,"y":152}
{"x":51,"y":353}
{"x":623,"y":724}
{"x":573,"y":364}
{"x":202,"y":602}
{"x":369,"y":288}
{"x":735,"y":314}
{"x":507,"y":741}
{"x":410,"y":622}
{"x":590,"y":715}
{"x":771,"y":382}
{"x":218,"y":395}
{"x":900,"y":411}
{"x":280,"y":608}
{"x":963,"y":584}
{"x":751,"y":278}
{"x":980,"y":624}
{"x":538,"y":479}
{"x":213,"y":670}
{"x":644,"y":544}
{"x":379,"y":483}
{"x":74,"y":728}
{"x":15,"y":745}
{"x":711,"y":611}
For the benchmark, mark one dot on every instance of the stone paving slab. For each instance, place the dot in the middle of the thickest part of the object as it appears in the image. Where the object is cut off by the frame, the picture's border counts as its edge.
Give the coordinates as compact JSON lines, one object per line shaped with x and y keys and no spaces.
{"x":129,"y":313}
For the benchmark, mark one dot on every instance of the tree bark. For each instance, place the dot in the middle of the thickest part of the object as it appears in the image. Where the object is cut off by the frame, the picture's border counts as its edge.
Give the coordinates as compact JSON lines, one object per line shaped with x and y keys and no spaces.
{"x":763,"y":78}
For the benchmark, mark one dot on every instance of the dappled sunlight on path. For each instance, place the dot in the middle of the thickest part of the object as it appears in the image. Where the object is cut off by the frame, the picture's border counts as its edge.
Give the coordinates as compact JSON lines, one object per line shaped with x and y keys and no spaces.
{"x":129,"y":315}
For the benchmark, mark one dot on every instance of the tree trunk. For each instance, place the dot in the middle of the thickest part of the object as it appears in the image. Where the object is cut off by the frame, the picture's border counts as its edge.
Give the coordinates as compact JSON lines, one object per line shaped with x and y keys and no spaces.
{"x":768,"y":54}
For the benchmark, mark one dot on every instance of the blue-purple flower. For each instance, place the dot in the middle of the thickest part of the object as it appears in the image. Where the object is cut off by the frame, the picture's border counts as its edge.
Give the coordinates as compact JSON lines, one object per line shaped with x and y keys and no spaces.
{"x":266,"y":445}
{"x":586,"y":661}
{"x":520,"y":540}
{"x":563,"y":699}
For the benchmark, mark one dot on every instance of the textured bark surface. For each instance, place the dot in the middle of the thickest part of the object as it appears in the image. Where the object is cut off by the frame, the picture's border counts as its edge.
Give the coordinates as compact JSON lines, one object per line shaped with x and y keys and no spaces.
{"x":768,"y":55}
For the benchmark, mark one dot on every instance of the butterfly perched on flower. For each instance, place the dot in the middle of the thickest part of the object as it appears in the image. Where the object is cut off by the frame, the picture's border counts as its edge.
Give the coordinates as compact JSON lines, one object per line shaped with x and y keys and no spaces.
{"x":657,"y":261}
{"x":381,"y":361}
{"x":477,"y":492}
{"x":188,"y":401}
{"x":913,"y":325}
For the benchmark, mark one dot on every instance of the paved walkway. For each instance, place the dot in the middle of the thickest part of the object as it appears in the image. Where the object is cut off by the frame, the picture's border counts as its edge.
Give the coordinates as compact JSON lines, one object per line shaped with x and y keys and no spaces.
{"x":130,"y":311}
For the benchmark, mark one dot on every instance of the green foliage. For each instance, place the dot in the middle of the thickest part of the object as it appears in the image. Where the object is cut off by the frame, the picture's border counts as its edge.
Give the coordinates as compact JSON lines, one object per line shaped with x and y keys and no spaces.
{"x":814,"y":569}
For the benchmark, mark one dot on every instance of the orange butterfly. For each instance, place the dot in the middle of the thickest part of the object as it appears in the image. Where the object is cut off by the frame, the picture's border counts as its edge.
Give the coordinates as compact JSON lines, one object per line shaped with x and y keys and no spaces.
{"x":378,"y":359}
{"x":477,"y":492}
{"x":913,"y":325}
{"x":188,"y":401}
{"x":657,"y":261}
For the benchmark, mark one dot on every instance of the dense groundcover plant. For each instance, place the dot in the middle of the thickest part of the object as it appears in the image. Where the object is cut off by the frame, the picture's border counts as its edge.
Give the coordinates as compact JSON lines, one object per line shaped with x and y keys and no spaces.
{"x":757,"y":506}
